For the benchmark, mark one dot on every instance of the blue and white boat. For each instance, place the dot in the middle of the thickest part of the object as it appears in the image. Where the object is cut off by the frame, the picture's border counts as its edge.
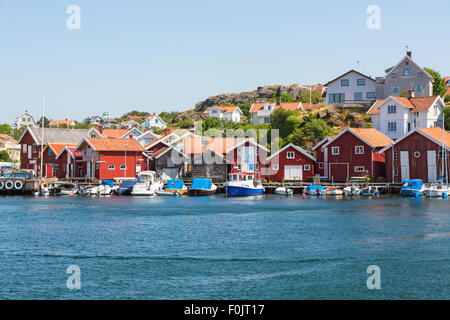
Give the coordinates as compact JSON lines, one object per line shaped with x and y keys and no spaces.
{"x":126,"y":187}
{"x":242,"y":184}
{"x":413,"y":187}
{"x":315,"y":190}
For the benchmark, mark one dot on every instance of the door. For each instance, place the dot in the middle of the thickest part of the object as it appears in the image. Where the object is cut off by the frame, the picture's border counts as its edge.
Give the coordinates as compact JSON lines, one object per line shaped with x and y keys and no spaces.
{"x":88,"y":171}
{"x":432,"y":167}
{"x":30,"y":154}
{"x":293,"y":173}
{"x":404,"y":163}
{"x":325,"y":162}
{"x":338,"y":171}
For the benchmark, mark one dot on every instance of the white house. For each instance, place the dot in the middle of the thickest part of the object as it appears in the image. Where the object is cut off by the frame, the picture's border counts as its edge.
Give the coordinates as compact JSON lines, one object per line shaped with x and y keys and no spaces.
{"x":147,"y":137}
{"x":351,"y":88}
{"x":262,"y":112}
{"x":227,"y":113}
{"x":396,"y":116}
{"x":24,"y":120}
{"x":153,"y":121}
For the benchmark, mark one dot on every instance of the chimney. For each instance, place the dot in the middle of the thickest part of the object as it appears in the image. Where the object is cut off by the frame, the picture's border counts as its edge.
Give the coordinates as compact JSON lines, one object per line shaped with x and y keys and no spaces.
{"x":411,"y":94}
{"x":409,"y":53}
{"x":100,"y":128}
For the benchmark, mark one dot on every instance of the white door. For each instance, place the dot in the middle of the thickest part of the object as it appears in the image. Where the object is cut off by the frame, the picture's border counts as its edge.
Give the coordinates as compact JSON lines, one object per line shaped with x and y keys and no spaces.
{"x":325,"y":164}
{"x":293,"y":173}
{"x":88,"y":170}
{"x":404,"y":163}
{"x":432,"y":168}
{"x":30,"y":154}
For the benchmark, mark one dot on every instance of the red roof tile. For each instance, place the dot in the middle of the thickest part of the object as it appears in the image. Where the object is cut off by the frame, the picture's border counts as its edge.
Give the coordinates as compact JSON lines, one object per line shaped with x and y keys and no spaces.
{"x":114,"y":144}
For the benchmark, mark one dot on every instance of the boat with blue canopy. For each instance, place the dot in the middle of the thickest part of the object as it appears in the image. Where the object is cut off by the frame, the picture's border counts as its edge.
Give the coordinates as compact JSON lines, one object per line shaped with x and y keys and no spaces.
{"x":315,"y":190}
{"x":412,"y":187}
{"x":202,"y":187}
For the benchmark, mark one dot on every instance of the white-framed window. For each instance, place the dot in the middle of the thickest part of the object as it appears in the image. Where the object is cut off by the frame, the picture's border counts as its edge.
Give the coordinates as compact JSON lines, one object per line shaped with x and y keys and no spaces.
{"x":275,"y":167}
{"x":395,"y":155}
{"x":392,"y":126}
{"x":24,"y":148}
{"x":320,"y":165}
{"x":441,"y":154}
{"x":290,"y":155}
{"x":334,"y":151}
{"x":111,"y":167}
{"x":436,"y":110}
{"x":359,"y":149}
{"x":307,"y":167}
{"x":359,"y":169}
{"x":406,"y":72}
{"x":392,"y":109}
{"x":395,"y":171}
{"x":123,"y":167}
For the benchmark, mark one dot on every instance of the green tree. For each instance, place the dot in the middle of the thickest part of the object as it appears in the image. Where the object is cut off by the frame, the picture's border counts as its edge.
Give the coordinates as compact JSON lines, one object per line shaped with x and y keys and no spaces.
{"x":447,"y":117}
{"x":46,"y":122}
{"x":315,"y":96}
{"x":245,"y":108}
{"x":186,"y":124}
{"x":447,"y":99}
{"x":311,"y":130}
{"x":286,"y":121}
{"x":134,"y":113}
{"x":439,"y":87}
{"x":5,"y":129}
{"x":4,"y":156}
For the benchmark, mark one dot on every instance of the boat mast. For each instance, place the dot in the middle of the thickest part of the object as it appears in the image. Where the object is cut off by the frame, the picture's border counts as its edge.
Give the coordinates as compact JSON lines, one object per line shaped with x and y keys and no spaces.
{"x":42,"y":135}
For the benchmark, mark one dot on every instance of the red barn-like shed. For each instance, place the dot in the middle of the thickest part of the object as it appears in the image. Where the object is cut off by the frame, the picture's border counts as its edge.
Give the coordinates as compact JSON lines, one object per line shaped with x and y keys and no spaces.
{"x":290,"y":163}
{"x":354,"y":153}
{"x":418,"y":155}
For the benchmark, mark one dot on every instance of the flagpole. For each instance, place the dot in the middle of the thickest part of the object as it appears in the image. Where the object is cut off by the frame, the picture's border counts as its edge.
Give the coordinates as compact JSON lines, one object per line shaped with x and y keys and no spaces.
{"x":42,"y":135}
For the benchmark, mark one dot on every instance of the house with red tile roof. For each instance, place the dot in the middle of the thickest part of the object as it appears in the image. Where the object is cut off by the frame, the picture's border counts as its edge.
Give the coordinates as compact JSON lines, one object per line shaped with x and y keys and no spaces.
{"x":62,"y":124}
{"x":262,"y":112}
{"x":227,"y":113}
{"x":354,"y":153}
{"x":397,"y":116}
{"x":421,"y":154}
{"x":111,"y":158}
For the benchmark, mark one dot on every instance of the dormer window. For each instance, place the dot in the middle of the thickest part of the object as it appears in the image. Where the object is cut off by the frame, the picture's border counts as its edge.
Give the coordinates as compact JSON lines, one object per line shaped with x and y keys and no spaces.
{"x":406,"y":72}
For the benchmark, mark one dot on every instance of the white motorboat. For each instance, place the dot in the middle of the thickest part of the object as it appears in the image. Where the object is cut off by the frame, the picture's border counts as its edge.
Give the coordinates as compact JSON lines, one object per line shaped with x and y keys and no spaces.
{"x":333,"y":191}
{"x":352,"y":191}
{"x":67,"y":189}
{"x":146,"y":184}
{"x":104,"y":190}
{"x":436,"y":190}
{"x":284,"y":191}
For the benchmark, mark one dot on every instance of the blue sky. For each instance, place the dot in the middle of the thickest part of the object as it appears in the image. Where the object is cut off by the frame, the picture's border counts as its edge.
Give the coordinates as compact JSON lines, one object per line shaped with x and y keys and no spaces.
{"x":168,"y":55}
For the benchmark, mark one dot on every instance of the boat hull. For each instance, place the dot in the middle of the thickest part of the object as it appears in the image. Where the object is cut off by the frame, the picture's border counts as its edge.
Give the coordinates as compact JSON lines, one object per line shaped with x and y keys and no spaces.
{"x":201,"y":192}
{"x":243,"y":191}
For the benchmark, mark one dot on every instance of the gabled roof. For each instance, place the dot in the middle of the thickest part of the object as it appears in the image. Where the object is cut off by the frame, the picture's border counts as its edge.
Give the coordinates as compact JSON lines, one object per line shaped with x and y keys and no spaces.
{"x":111,"y":144}
{"x":56,"y":135}
{"x":155,"y":142}
{"x":70,"y":150}
{"x":321,"y":142}
{"x":284,"y":105}
{"x":55,"y":123}
{"x":343,"y":75}
{"x":7,"y":138}
{"x":371,"y":136}
{"x":114,"y":133}
{"x":58,"y":147}
{"x":390,"y":70}
{"x":247,"y":140}
{"x":436,"y":134}
{"x":291,"y":145}
{"x":416,"y":104}
{"x":228,"y":109}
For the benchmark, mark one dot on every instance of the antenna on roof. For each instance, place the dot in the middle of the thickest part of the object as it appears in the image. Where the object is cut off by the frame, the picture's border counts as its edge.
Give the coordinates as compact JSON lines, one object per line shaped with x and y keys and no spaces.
{"x":357,"y":63}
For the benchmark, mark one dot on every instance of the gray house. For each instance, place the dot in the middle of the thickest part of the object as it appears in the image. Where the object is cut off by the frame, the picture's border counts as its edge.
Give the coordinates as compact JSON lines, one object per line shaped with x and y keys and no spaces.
{"x":405,"y":76}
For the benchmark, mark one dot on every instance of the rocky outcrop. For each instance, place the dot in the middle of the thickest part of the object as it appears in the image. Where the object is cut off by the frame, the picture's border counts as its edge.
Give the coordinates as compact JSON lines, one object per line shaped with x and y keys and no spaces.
{"x":261,"y":93}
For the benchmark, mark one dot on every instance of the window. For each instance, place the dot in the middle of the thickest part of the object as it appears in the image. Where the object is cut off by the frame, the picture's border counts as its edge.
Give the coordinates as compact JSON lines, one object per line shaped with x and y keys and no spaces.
{"x":395,"y":155}
{"x":24,"y":148}
{"x":358,"y":96}
{"x":406,"y":72}
{"x":392,"y":126}
{"x":336,"y":97}
{"x":359,"y":149}
{"x":307,"y":167}
{"x":441,"y":154}
{"x":418,"y":88}
{"x":392,"y":109}
{"x":345,"y":83}
{"x":111,"y":167}
{"x":394,"y":75}
{"x":420,"y":74}
{"x":359,"y":169}
{"x":395,"y":90}
{"x":213,"y":111}
{"x":361,"y":82}
{"x":275,"y":167}
{"x":50,"y":152}
{"x":34,"y":148}
{"x":395,"y":171}
{"x":320,"y":165}
{"x":370,"y":95}
{"x":335,"y":150}
{"x":123,"y":167}
{"x":290,"y":155}
{"x":436,"y":110}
